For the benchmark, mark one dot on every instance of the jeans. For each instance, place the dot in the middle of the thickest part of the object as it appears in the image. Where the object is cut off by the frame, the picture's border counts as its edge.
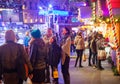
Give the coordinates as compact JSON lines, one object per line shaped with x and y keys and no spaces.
{"x":79,"y":55}
{"x":65,"y":70}
{"x":94,"y":58}
{"x":90,"y":55}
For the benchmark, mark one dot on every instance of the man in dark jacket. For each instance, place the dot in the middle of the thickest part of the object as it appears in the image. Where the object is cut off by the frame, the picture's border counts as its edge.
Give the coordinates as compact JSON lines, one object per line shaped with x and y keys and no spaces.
{"x":8,"y":55}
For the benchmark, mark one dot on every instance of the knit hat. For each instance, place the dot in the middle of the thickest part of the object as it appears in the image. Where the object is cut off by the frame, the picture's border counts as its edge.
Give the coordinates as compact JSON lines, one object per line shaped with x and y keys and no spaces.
{"x":36,"y":33}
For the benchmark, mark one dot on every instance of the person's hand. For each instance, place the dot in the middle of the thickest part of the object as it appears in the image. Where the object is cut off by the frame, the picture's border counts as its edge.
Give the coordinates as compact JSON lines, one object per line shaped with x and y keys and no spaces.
{"x":0,"y":81}
{"x":31,"y":76}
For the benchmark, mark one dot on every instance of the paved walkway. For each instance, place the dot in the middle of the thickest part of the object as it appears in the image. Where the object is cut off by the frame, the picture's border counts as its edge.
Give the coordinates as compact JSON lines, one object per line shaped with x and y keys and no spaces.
{"x":89,"y":75}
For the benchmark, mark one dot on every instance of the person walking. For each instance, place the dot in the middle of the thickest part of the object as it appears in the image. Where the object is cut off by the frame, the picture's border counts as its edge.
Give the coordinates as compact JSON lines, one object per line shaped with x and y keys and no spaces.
{"x":65,"y":45}
{"x":8,"y":60}
{"x":80,"y":46}
{"x":37,"y":57}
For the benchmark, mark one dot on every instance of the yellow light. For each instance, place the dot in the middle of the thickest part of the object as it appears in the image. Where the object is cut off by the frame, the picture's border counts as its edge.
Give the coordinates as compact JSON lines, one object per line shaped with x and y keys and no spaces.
{"x":107,"y":20}
{"x":116,"y":20}
{"x":100,"y":20}
{"x":31,"y":20}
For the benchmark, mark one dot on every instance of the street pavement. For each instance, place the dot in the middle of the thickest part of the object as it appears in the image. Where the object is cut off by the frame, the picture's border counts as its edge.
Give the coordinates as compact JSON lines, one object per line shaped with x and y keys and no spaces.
{"x":90,"y":75}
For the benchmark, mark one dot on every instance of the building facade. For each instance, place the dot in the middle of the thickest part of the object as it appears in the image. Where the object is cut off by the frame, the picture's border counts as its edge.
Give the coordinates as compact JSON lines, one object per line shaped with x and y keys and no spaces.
{"x":31,"y":12}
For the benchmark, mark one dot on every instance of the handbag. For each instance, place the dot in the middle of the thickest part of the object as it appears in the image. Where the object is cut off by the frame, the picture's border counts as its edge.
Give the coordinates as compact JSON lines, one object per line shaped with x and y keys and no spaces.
{"x":21,"y":66}
{"x":101,"y":55}
{"x":84,"y":57}
{"x":55,"y":73}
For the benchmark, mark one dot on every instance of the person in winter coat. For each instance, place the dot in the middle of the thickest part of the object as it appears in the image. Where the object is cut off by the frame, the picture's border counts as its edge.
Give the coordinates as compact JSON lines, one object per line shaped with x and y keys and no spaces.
{"x":93,"y":47}
{"x":100,"y":46}
{"x":46,"y":39}
{"x":90,"y":52}
{"x":54,"y":57}
{"x":65,"y":44}
{"x":80,"y":46}
{"x":8,"y":59}
{"x":37,"y":57}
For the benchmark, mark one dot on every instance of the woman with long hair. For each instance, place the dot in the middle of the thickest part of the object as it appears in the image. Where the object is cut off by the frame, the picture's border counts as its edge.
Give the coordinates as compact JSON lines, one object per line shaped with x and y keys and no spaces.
{"x":65,"y":44}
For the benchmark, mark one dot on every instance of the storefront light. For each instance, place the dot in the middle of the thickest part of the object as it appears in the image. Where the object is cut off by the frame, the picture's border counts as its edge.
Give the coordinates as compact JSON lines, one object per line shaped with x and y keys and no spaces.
{"x":107,"y":20}
{"x":41,"y":20}
{"x":50,"y":6}
{"x":36,"y":20}
{"x":31,"y":21}
{"x":100,"y":20}
{"x":116,"y":20}
{"x":16,"y":29}
{"x":25,"y":20}
{"x":40,"y":8}
{"x":5,"y":28}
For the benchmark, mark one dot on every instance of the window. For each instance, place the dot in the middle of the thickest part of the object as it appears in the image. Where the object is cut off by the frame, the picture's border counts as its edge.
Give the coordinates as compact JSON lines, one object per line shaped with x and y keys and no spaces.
{"x":36,"y":6}
{"x":30,"y":5}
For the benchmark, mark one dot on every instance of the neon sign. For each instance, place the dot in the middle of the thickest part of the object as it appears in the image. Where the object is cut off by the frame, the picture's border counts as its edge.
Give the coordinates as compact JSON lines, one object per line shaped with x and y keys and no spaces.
{"x":54,"y":12}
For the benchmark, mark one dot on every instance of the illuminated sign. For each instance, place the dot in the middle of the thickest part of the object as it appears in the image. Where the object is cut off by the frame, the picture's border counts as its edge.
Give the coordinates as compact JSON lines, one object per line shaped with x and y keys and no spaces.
{"x":61,"y":13}
{"x":54,"y":12}
{"x":43,"y":12}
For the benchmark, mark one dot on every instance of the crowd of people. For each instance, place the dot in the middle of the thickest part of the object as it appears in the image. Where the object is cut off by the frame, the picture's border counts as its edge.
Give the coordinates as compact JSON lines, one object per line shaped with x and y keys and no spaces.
{"x":40,"y":53}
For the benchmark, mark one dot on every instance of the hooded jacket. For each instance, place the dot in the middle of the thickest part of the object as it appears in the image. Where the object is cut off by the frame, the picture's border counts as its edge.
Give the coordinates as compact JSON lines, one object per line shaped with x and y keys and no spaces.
{"x":38,"y":53}
{"x":79,"y":42}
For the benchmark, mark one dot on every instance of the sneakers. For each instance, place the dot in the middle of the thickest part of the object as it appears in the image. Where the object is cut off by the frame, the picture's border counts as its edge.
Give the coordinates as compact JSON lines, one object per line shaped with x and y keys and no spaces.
{"x":101,"y":68}
{"x":81,"y":66}
{"x":89,"y":65}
